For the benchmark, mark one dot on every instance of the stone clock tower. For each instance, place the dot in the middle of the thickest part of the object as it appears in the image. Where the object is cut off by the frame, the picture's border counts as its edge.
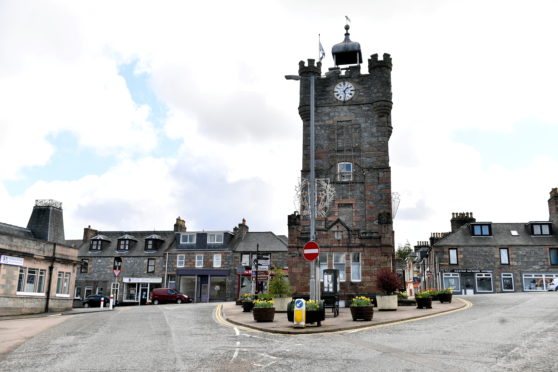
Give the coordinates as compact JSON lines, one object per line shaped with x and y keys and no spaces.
{"x":352,"y":131}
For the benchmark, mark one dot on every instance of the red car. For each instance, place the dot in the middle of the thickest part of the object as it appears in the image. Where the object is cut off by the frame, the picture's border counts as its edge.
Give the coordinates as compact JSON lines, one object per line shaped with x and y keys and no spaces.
{"x":162,"y":295}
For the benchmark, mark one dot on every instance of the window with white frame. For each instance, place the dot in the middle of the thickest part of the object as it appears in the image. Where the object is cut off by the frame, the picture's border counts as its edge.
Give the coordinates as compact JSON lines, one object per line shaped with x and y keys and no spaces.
{"x":452,"y":256}
{"x":95,"y":245}
{"x":217,"y":260}
{"x":537,"y":282}
{"x":87,"y":292}
{"x":504,"y":256}
{"x":31,"y":281}
{"x":322,"y":259}
{"x":339,"y":264}
{"x":188,"y":238}
{"x":553,"y":253}
{"x":199,"y":260}
{"x":63,"y":283}
{"x":245,"y":259}
{"x":344,"y":171}
{"x":355,"y":267}
{"x":124,"y":244}
{"x":507,"y":282}
{"x":484,"y":282}
{"x":150,"y":265}
{"x":180,"y":260}
{"x":540,"y":229}
{"x":451,"y":280}
{"x":215,"y":238}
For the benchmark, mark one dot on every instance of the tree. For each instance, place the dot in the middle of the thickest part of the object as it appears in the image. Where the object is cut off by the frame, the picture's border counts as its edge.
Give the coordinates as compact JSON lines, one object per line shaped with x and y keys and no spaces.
{"x":403,"y":251}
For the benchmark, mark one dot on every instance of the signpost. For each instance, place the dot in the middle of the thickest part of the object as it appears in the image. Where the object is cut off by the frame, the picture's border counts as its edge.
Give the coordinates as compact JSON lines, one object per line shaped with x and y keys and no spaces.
{"x":311,"y":251}
{"x":116,"y":273}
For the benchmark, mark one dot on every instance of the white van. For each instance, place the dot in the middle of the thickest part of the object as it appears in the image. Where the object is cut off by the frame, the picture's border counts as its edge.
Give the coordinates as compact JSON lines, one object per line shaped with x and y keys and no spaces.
{"x":553,"y":286}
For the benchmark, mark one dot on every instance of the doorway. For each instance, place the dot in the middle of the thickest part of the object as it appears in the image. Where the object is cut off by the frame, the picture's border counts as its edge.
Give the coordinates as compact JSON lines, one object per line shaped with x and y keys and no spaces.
{"x":144,"y":289}
{"x":203,"y":288}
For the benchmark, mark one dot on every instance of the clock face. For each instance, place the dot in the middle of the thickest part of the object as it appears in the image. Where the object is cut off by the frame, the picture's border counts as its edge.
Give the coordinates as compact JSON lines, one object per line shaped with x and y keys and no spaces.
{"x":344,"y":91}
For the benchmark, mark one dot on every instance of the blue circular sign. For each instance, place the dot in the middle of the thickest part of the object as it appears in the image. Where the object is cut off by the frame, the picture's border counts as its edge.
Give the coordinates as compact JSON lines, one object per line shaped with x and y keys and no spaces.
{"x":299,"y":304}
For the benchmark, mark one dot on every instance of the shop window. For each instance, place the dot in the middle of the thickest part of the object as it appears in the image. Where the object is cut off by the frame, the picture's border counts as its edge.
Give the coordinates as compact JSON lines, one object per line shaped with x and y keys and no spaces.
{"x":188,"y":238}
{"x":355,"y":267}
{"x":63,"y":283}
{"x":540,"y":229}
{"x":180,"y":260}
{"x":507,"y":282}
{"x":339,"y":264}
{"x":452,"y":256}
{"x":84,"y":266}
{"x":150,"y":265}
{"x":199,"y":260}
{"x":483,"y":229}
{"x":504,"y":256}
{"x":218,"y":288}
{"x":535,"y":282}
{"x":215,"y":238}
{"x":217,"y":260}
{"x":188,"y":286}
{"x":553,"y":252}
{"x":451,"y":280}
{"x":322,"y":258}
{"x":484,"y":282}
{"x":31,"y":281}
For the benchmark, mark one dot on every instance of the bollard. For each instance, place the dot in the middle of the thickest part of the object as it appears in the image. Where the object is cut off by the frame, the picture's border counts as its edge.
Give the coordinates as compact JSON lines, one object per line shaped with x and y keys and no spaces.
{"x":111,"y":303}
{"x":102,"y":302}
{"x":299,"y":315}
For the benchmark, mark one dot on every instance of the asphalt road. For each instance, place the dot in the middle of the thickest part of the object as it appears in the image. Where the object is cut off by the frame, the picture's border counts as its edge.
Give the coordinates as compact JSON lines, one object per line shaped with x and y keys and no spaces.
{"x":501,"y":332}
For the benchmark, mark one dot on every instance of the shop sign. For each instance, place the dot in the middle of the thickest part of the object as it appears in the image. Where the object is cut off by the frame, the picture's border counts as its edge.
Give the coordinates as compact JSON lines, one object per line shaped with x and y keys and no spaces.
{"x":142,"y":280}
{"x":11,"y":260}
{"x":467,"y":271}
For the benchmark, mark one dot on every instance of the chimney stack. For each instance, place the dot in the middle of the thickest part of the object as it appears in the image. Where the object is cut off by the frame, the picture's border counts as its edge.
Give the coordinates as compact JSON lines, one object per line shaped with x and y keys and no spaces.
{"x":553,"y":207}
{"x":88,"y":233}
{"x":460,"y":219}
{"x":180,"y":225}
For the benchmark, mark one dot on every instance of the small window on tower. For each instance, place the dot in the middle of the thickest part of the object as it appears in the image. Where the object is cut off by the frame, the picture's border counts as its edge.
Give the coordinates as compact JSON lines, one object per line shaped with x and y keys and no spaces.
{"x":345,"y":171}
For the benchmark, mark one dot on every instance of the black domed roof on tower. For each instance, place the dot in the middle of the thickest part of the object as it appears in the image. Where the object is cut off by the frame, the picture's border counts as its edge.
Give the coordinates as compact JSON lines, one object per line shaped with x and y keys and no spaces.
{"x":346,"y":52}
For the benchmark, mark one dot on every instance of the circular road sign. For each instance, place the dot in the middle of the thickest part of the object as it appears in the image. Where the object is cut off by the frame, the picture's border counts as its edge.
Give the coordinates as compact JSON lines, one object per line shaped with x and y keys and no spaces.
{"x":311,"y":251}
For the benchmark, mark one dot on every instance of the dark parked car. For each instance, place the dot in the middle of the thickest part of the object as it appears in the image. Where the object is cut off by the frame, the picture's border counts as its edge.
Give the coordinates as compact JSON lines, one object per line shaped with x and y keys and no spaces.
{"x":161,"y":295}
{"x":95,"y":301}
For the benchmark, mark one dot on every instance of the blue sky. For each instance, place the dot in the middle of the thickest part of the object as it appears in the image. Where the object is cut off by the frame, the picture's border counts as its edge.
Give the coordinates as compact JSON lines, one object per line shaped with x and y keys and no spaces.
{"x":135,"y":116}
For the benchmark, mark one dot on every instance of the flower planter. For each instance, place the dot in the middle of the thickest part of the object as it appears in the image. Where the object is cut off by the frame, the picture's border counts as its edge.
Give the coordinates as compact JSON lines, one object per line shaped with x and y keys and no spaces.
{"x":386,"y":302}
{"x":315,"y":316}
{"x":424,"y":303}
{"x":445,"y":297}
{"x":247,"y":306}
{"x":362,"y":312}
{"x":263,"y":314}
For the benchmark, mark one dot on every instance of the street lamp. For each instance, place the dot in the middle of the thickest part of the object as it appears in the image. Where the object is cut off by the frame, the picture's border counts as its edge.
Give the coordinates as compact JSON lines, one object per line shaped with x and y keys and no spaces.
{"x":314,"y":291}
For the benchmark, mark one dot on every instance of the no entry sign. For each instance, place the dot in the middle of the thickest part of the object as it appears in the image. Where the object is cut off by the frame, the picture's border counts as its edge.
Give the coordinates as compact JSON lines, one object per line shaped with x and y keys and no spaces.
{"x":311,"y":251}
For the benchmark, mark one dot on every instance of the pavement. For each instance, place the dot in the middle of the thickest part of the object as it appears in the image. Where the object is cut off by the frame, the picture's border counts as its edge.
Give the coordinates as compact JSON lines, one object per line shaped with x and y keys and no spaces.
{"x":233,"y":314}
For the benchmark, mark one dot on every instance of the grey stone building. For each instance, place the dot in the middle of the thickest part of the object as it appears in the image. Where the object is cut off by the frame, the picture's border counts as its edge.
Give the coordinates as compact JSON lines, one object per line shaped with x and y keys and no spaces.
{"x":352,"y":131}
{"x":37,"y":265}
{"x":488,"y":257}
{"x":205,"y":265}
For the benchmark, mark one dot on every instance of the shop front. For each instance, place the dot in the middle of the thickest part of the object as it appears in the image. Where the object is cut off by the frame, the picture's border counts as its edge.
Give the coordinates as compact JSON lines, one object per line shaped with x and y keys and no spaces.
{"x":203,"y":285}
{"x":537,"y":282}
{"x":138,"y":290}
{"x":469,"y":281}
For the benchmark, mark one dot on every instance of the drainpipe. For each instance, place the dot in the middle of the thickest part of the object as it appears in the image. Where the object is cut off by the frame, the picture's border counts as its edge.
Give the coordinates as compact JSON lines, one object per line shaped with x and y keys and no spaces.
{"x":49,"y":282}
{"x":166,"y":270}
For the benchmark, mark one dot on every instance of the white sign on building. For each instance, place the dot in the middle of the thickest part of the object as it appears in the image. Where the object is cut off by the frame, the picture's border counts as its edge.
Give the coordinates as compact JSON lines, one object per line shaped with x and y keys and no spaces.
{"x":11,"y":260}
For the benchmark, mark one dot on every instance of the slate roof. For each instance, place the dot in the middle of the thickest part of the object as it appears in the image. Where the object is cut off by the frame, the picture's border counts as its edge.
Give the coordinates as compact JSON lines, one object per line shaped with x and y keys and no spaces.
{"x":137,"y":249}
{"x":268,"y":241}
{"x":501,"y":236}
{"x":15,"y":230}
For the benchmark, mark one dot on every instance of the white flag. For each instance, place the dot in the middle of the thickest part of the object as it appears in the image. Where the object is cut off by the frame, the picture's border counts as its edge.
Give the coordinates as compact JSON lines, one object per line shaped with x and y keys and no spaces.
{"x":348,"y":19}
{"x":322,"y":52}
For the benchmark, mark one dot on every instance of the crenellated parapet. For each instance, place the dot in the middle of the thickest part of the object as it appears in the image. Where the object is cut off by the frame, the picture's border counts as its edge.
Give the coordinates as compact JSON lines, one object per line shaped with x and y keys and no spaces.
{"x":374,"y":62}
{"x":311,"y":69}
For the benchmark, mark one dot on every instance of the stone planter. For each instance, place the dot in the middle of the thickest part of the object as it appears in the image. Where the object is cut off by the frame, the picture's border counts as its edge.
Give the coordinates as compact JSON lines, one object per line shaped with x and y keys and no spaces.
{"x":386,"y":302}
{"x":263,"y":314}
{"x":247,"y":306}
{"x":281,"y":303}
{"x":445,"y":297}
{"x":424,"y":303}
{"x":362,"y":312}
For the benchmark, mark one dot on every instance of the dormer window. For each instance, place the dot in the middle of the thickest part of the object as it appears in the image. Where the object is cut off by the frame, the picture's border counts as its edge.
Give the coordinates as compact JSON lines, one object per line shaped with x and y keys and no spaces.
{"x":125,"y":243}
{"x":540,"y":229}
{"x":153,"y":242}
{"x":344,"y":171}
{"x":215,"y":238}
{"x":481,"y":229}
{"x":98,"y":242}
{"x":188,"y":238}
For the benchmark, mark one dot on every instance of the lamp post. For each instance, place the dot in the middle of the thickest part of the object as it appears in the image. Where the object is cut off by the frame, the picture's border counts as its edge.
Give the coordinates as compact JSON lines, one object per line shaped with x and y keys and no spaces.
{"x":314,"y":290}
